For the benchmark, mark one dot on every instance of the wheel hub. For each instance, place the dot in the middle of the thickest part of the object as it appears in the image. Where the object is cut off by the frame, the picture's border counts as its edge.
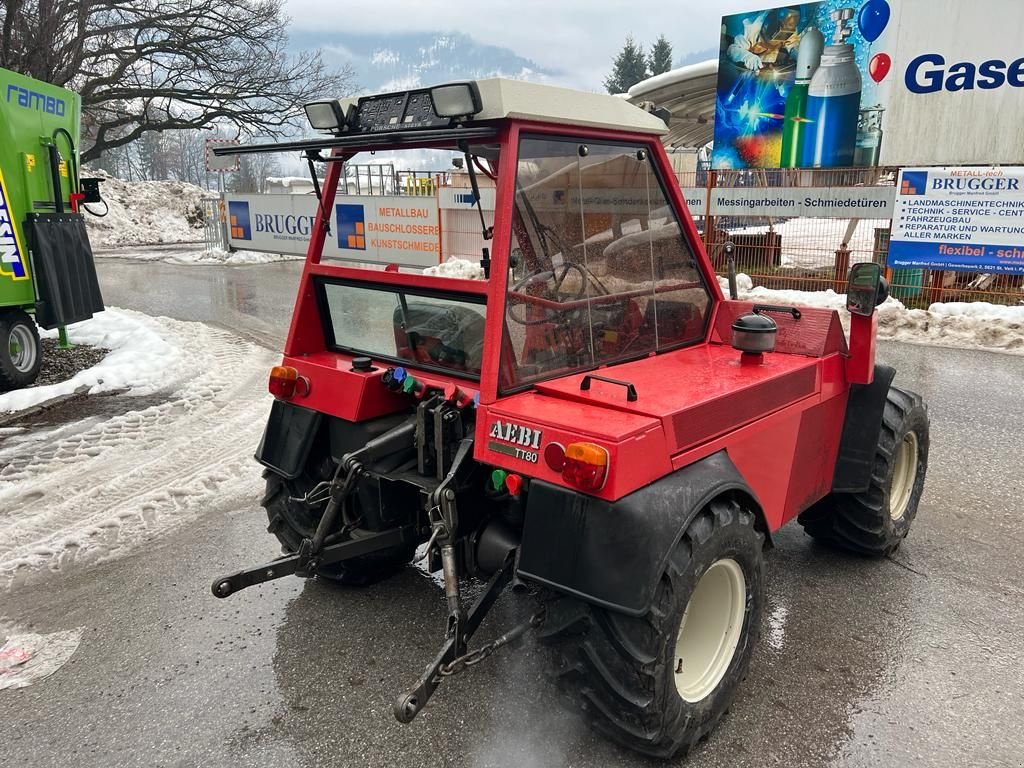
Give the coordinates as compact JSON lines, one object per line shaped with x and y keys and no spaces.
{"x":710,"y":630}
{"x":22,"y":349}
{"x":903,"y":475}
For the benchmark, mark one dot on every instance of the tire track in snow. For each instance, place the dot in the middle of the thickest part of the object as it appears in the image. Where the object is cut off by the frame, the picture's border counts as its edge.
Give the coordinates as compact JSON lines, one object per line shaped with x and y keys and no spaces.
{"x":89,"y":491}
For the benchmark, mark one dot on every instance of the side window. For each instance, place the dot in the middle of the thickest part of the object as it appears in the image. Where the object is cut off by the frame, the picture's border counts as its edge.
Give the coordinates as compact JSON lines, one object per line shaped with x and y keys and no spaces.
{"x":601,"y":272}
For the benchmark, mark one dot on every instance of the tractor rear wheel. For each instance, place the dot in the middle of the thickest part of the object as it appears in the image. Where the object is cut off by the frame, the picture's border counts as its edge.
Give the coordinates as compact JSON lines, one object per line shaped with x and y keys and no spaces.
{"x":876,"y":521}
{"x":20,"y":352}
{"x":659,"y":683}
{"x":292,"y":521}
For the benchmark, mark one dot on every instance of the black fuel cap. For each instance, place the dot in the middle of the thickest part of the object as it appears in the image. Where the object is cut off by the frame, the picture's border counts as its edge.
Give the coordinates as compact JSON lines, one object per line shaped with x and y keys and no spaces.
{"x":754,"y":334}
{"x":362,"y":364}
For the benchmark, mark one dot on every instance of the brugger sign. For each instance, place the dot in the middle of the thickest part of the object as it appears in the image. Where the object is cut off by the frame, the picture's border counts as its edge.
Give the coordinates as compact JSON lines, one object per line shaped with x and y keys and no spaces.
{"x":373,"y":229}
{"x":960,"y":219}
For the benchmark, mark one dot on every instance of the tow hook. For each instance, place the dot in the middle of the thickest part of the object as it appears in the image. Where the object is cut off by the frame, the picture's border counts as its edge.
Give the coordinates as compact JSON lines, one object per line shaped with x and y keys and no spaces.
{"x":449,"y":662}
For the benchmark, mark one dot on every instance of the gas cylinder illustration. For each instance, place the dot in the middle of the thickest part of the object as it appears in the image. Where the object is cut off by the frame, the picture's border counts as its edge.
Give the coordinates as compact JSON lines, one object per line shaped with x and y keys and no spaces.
{"x":869,"y":138}
{"x":833,"y":101}
{"x":796,"y":124}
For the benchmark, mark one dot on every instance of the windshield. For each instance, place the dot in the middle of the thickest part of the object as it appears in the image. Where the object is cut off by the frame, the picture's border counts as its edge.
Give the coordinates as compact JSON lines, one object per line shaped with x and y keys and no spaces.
{"x":602,"y":272}
{"x":444,"y":333}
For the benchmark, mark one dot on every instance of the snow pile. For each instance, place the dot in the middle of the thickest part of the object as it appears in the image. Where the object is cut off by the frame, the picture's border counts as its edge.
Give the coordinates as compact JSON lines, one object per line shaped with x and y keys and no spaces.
{"x":90,"y":490}
{"x":27,"y":658}
{"x":971,"y":326}
{"x":980,"y":309}
{"x":145,"y":212}
{"x":456,"y":267}
{"x":141,"y":360}
{"x":200,"y":256}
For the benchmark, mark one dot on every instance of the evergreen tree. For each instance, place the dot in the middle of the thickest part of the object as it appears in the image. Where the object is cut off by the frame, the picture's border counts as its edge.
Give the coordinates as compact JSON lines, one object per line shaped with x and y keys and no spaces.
{"x":629,"y":68}
{"x":661,"y":56}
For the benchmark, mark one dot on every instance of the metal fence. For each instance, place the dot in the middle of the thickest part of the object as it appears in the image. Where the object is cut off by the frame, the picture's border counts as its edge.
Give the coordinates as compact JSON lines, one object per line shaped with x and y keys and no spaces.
{"x":214,"y":226}
{"x":815,"y":254}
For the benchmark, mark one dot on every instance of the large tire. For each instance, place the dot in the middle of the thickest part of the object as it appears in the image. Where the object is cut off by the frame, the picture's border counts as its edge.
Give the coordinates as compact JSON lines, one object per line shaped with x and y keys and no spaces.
{"x":292,"y":521}
{"x":875,"y":522}
{"x":625,"y":673}
{"x":20,"y":352}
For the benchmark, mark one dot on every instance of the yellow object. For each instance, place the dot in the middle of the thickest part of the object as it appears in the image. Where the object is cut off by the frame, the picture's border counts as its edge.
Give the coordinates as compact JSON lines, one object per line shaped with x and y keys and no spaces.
{"x":587,"y":453}
{"x":30,"y":162}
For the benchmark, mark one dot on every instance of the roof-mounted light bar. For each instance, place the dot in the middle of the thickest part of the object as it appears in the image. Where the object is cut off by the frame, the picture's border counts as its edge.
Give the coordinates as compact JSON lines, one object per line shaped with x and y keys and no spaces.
{"x":456,"y":100}
{"x":327,"y":116}
{"x":424,"y":108}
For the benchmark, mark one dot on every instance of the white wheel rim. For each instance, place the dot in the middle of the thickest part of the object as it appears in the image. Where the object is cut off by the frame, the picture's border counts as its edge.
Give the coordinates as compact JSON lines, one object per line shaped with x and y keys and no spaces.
{"x":903,"y":475}
{"x":22,"y":349}
{"x":710,"y":630}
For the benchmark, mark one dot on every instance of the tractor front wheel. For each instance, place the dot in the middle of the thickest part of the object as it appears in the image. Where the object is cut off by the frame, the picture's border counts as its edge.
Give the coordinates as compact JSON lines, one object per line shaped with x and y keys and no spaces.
{"x":876,"y":521}
{"x":659,"y":683}
{"x":20,"y":352}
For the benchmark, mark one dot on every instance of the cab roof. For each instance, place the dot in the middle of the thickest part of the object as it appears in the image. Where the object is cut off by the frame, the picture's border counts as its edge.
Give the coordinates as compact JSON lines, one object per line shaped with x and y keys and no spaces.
{"x":503,"y":98}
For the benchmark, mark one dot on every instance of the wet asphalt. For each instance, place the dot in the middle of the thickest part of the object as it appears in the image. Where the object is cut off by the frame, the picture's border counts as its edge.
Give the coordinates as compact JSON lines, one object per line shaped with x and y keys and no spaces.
{"x":913,"y":661}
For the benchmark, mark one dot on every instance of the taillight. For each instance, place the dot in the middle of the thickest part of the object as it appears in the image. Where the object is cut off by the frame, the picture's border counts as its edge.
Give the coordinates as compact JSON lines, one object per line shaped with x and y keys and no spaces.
{"x":285,"y":381}
{"x":586,"y":466}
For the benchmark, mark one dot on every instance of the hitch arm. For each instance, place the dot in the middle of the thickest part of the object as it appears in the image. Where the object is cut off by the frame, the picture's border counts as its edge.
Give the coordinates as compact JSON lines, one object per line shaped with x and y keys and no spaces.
{"x":225,"y":586}
{"x":411,"y":703}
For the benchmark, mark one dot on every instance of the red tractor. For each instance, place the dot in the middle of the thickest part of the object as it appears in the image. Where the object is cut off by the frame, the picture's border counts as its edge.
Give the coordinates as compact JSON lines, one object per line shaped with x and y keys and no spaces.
{"x":594,"y":420}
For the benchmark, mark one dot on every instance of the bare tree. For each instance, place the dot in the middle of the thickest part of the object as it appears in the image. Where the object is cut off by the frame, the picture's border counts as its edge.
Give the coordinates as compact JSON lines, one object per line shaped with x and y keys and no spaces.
{"x":253,"y":172}
{"x":157,"y":65}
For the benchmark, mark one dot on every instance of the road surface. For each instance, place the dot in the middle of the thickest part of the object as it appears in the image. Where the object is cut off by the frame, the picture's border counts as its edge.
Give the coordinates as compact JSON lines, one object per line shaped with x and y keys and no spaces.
{"x":913,"y":661}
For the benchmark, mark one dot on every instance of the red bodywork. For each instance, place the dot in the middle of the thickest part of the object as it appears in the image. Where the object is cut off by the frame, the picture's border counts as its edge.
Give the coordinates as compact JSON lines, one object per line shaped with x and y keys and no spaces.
{"x":780,"y":421}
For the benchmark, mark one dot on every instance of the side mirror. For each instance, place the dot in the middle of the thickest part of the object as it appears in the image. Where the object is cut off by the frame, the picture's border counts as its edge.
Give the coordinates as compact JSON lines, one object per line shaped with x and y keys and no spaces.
{"x":866,"y":289}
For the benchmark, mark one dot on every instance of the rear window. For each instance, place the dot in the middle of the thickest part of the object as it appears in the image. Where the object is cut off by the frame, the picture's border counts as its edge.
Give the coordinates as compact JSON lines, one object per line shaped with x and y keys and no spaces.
{"x":420,"y":329}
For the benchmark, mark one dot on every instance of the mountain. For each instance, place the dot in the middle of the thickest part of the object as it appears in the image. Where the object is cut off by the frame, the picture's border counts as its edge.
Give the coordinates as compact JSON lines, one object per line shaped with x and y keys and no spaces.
{"x":696,"y":57}
{"x":385,"y":62}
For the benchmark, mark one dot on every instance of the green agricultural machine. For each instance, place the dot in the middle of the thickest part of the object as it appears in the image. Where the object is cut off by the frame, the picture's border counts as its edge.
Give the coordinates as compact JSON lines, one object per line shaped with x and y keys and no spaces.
{"x":46,"y":262}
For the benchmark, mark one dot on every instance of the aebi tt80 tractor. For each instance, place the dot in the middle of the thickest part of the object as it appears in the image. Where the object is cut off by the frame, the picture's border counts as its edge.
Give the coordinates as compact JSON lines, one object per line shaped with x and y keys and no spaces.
{"x":594,"y":420}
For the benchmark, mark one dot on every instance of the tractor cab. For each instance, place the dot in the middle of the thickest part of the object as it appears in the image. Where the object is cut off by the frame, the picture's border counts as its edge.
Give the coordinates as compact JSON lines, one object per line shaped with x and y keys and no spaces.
{"x":573,"y":406}
{"x":587,"y":260}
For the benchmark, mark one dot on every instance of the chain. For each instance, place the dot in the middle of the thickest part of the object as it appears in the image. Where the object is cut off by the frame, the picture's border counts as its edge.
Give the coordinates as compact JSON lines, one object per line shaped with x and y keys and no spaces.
{"x":471,"y":659}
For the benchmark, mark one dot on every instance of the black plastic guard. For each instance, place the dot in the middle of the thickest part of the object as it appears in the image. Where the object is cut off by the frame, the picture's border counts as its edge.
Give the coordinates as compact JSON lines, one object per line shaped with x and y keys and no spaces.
{"x":287,"y":438}
{"x":613,"y":553}
{"x":861,"y":429}
{"x":63,"y":269}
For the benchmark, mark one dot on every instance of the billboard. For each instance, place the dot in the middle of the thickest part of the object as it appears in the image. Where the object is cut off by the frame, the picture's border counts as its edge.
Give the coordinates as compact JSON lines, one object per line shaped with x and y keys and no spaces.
{"x":801,"y":86}
{"x":845,"y":83}
{"x":957,"y":84}
{"x":959,"y":219}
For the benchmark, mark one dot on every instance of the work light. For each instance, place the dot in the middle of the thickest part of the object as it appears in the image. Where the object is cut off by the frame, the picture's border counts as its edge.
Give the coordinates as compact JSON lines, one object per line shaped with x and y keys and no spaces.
{"x":325,"y":115}
{"x":456,"y":100}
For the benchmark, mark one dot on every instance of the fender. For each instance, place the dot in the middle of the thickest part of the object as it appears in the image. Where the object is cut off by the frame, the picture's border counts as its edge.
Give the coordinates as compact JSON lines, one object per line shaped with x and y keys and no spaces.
{"x":612,"y":554}
{"x":861,"y":429}
{"x":287,"y":439}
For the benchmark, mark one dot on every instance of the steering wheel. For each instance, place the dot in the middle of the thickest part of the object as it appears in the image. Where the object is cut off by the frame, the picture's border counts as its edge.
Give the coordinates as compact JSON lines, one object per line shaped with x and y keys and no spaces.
{"x":546,"y":285}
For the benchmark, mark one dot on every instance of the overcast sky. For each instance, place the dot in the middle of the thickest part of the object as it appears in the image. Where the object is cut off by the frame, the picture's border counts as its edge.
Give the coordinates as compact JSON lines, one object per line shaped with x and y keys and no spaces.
{"x":578,"y":37}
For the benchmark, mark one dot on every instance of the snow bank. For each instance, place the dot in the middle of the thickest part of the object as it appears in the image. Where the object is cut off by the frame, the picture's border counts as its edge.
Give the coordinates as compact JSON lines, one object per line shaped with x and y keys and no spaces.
{"x":976,"y":325}
{"x":980,"y":309}
{"x":199,"y":256}
{"x":456,"y":267}
{"x":85,"y":491}
{"x":141,"y":360}
{"x":145,"y":212}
